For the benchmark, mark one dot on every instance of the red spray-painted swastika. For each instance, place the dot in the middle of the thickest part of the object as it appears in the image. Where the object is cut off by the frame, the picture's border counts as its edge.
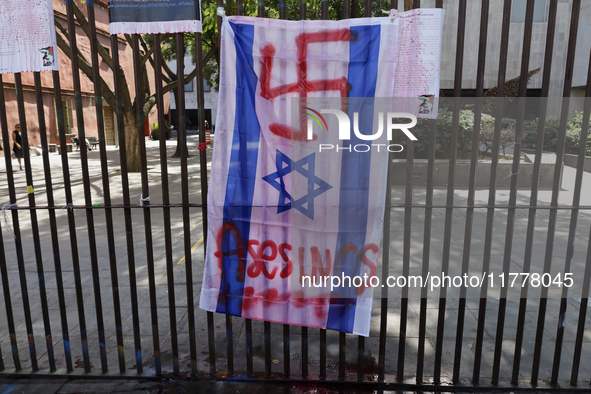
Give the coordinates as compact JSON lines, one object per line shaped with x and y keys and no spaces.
{"x":303,"y":85}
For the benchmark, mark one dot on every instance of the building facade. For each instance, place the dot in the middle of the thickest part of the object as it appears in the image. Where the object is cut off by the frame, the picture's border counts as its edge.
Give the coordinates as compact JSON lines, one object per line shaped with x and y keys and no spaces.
{"x":67,"y":86}
{"x":191,"y":107}
{"x":516,"y":38}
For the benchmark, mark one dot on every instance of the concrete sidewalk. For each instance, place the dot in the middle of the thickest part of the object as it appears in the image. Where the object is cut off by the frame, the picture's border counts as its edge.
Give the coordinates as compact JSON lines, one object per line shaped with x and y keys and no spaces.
{"x":167,"y":386}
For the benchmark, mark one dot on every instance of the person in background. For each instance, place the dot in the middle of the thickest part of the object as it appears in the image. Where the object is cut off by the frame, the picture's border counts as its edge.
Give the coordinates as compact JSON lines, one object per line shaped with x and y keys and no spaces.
{"x":17,"y":147}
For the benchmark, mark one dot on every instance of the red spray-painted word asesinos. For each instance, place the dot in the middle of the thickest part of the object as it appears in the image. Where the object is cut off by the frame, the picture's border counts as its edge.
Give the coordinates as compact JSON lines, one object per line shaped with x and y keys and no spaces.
{"x":263,"y":252}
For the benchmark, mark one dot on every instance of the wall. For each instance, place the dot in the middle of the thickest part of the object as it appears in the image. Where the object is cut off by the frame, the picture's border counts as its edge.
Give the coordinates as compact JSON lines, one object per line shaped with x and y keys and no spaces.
{"x":462,"y":174}
{"x":211,"y":97}
{"x":516,"y":36}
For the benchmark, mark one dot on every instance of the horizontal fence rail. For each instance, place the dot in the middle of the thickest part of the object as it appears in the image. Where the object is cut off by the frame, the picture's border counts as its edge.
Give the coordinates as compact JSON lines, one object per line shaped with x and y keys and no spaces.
{"x":101,"y":266}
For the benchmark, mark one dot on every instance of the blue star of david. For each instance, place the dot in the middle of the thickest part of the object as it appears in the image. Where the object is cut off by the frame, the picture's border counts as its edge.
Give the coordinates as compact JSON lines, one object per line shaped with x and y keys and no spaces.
{"x":305,"y":167}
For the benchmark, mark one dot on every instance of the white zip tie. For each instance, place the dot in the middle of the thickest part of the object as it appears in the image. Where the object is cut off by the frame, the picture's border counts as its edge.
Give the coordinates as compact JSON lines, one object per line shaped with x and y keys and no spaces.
{"x":142,"y":199}
{"x":6,"y":207}
{"x":511,"y":174}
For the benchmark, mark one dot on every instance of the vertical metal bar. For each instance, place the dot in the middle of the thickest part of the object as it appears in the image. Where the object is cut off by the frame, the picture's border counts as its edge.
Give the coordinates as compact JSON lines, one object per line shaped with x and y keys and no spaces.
{"x":323,"y":9}
{"x":249,"y":349}
{"x":360,"y":357}
{"x":261,"y":8}
{"x":53,"y":226}
{"x":204,"y":187}
{"x":450,"y":187}
{"x":552,"y":13}
{"x":267,"y":335}
{"x":490,"y":212}
{"x":571,"y":236}
{"x":230,"y":346}
{"x":33,"y":212}
{"x":211,"y":343}
{"x":52,"y":218}
{"x":17,"y":231}
{"x":471,"y":187}
{"x":185,"y":197}
{"x":385,"y":272}
{"x":385,"y":261}
{"x":106,"y":188}
{"x":304,"y":352}
{"x":126,"y":202}
{"x":302,"y":9}
{"x":342,"y":354}
{"x":7,"y":298}
{"x":86,"y":186}
{"x":323,"y":352}
{"x":71,"y":221}
{"x":248,"y":328}
{"x":129,"y":228}
{"x":3,"y":268}
{"x":180,"y":57}
{"x":426,"y":248}
{"x":287,"y":351}
{"x":361,"y":339}
{"x":425,"y":270}
{"x":304,"y":329}
{"x":286,"y":340}
{"x":568,"y":76}
{"x":282,"y":9}
{"x":405,"y":260}
{"x":346,"y":9}
{"x":529,"y":18}
{"x":145,"y":197}
{"x":587,"y":276}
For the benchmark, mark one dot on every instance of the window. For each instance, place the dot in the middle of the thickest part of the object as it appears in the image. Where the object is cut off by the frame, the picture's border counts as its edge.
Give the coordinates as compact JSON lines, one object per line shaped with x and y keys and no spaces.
{"x":206,"y":87}
{"x":518,"y":8}
{"x":189,"y":86}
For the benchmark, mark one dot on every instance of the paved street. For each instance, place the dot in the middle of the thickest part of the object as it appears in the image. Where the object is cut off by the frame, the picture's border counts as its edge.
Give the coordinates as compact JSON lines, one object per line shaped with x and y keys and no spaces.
{"x":178,"y":260}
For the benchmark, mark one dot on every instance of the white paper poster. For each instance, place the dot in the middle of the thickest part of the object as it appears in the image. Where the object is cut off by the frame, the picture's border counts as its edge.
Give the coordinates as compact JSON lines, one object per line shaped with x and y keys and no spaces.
{"x":27,"y":36}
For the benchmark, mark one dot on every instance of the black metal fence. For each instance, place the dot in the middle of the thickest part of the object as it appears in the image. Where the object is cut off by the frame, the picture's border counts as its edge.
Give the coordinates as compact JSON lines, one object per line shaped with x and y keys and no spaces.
{"x":121,"y":304}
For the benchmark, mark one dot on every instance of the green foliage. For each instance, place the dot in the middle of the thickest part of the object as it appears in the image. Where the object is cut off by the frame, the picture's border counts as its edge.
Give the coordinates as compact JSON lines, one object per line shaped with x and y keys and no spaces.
{"x":444,"y":133}
{"x":250,"y":8}
{"x":507,"y":137}
{"x":551,"y":130}
{"x":573,"y":134}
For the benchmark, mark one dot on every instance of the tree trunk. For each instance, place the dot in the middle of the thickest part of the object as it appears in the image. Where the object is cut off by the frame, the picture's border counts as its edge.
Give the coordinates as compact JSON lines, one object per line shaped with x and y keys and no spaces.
{"x":132,"y":142}
{"x":180,"y":142}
